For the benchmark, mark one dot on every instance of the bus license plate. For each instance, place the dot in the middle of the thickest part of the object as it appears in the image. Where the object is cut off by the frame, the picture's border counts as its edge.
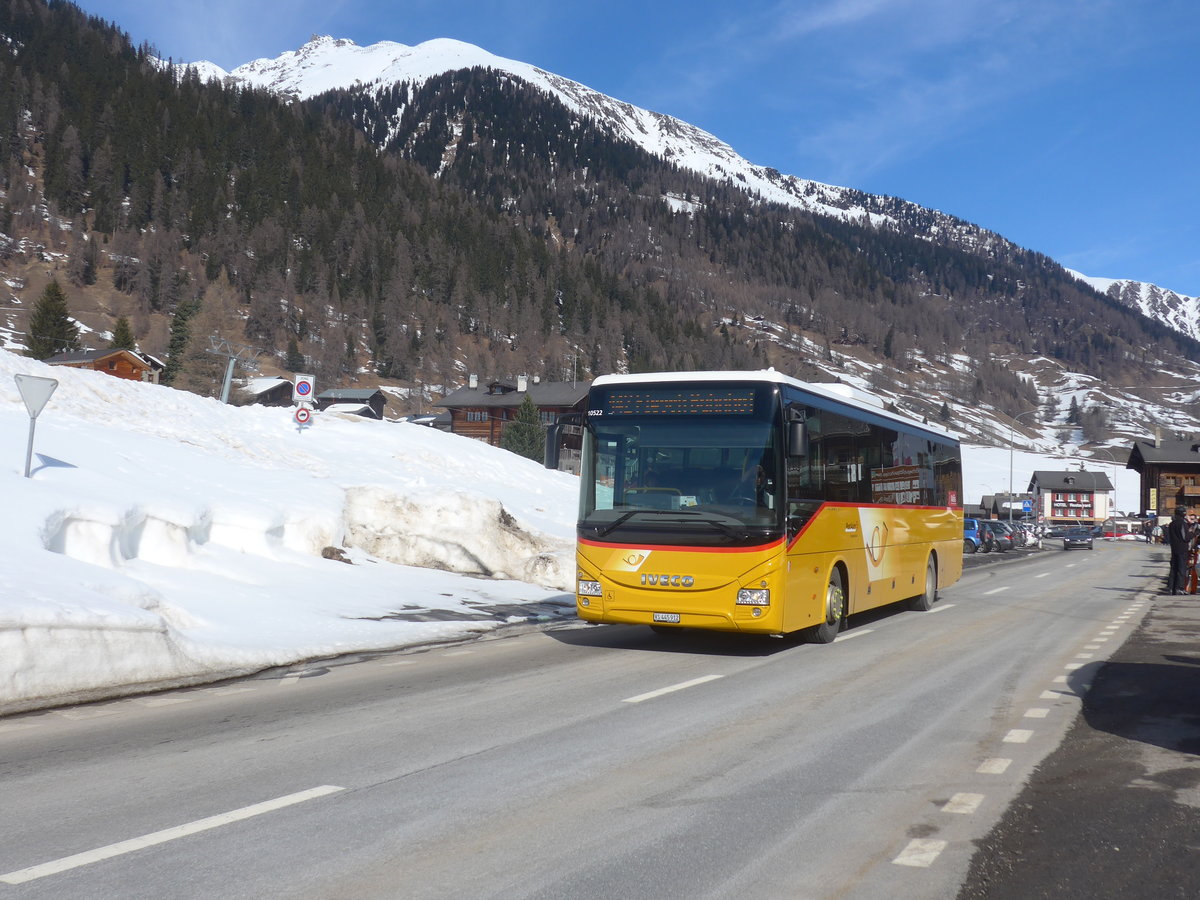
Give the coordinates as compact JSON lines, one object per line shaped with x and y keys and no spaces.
{"x":673,"y":618}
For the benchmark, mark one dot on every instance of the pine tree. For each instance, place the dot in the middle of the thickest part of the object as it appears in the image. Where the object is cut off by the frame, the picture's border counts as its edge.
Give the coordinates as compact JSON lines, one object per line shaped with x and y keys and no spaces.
{"x":181,"y":333}
{"x":122,"y":338}
{"x":51,"y":329}
{"x":294,"y":362}
{"x":525,"y":435}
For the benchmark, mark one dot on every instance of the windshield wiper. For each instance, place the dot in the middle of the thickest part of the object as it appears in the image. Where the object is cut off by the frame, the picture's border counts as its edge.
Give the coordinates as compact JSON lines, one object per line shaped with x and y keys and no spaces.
{"x":708,"y":519}
{"x":624,"y":517}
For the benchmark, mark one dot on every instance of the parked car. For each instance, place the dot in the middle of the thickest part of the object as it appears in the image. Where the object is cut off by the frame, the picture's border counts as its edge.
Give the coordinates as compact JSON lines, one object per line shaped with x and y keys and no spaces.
{"x":1005,"y":537}
{"x":1078,"y":539}
{"x":972,"y":541}
{"x":1029,"y":532}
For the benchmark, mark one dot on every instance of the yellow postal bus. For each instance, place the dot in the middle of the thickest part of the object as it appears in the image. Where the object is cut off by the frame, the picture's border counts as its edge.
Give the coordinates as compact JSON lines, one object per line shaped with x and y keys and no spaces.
{"x":753,"y":502}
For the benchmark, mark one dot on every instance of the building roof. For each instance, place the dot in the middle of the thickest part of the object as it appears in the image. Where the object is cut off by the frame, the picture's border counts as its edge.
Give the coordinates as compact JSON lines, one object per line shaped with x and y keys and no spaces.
{"x":542,"y":393}
{"x":1163,"y":452}
{"x":350,"y":395}
{"x":348,"y":408}
{"x":1074,"y":480}
{"x":77,"y":357}
{"x":256,"y":387}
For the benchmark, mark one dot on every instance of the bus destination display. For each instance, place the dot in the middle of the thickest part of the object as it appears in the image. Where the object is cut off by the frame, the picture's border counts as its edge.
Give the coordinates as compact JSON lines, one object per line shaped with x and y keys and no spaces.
{"x":682,"y":401}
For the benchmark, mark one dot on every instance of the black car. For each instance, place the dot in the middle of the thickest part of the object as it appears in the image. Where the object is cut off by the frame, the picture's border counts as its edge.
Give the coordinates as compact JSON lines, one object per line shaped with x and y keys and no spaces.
{"x":1078,"y":539}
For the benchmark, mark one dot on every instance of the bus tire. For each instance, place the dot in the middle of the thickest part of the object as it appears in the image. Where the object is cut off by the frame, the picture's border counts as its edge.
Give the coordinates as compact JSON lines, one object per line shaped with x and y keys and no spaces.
{"x":924,"y":601}
{"x":835,"y":612}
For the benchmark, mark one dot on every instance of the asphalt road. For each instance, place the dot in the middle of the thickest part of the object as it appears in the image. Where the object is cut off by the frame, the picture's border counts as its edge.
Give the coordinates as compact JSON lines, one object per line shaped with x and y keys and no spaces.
{"x":1114,"y":812}
{"x":587,"y":762}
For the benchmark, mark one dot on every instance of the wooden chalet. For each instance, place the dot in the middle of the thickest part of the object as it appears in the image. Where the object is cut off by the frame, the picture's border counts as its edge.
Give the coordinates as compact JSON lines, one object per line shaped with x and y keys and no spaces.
{"x":120,"y":363}
{"x":365,"y":402}
{"x":483,"y":411}
{"x":267,"y":391}
{"x":1170,"y":475}
{"x":1003,"y":506}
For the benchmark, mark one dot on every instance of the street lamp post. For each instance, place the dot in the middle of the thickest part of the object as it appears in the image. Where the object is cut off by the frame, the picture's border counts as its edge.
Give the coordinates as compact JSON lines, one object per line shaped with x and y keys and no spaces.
{"x":1112,"y":501}
{"x":1011,"y":426}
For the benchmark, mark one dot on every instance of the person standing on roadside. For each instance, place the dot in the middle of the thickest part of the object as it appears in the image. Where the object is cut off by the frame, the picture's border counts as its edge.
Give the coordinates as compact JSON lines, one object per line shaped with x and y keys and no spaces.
{"x":1179,"y":536}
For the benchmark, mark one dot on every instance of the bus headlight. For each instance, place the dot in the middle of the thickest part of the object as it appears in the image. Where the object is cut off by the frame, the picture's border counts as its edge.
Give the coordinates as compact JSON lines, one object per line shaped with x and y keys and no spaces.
{"x":754,"y":597}
{"x":588,"y":588}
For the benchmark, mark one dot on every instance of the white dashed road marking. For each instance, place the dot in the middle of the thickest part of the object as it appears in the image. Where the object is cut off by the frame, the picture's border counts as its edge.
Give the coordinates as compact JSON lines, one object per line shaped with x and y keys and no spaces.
{"x":920,"y":853}
{"x":161,"y":837}
{"x":963,"y":804}
{"x":1018,"y":736}
{"x":994,"y":766}
{"x":857,"y":632}
{"x":650,"y":695}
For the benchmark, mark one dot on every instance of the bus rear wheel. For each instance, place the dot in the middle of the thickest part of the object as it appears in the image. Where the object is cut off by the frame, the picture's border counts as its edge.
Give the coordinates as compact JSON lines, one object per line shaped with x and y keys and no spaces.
{"x":924,"y":601}
{"x":835,"y":612}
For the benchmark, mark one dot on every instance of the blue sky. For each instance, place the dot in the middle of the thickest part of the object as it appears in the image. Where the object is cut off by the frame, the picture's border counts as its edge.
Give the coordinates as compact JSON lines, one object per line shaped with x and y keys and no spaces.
{"x":1068,"y":126}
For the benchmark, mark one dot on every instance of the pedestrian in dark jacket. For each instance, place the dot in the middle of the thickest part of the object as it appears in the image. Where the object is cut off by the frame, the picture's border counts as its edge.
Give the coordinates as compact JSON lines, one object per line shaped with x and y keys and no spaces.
{"x":1179,"y":536}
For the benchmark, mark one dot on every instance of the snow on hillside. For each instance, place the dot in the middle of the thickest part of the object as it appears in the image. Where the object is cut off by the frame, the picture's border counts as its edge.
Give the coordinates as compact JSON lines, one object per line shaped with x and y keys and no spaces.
{"x":167,"y":539}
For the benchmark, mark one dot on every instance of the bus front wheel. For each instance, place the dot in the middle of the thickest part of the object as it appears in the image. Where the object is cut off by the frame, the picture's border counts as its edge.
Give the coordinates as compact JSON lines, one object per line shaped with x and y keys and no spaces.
{"x":835,"y":612}
{"x":924,"y":601}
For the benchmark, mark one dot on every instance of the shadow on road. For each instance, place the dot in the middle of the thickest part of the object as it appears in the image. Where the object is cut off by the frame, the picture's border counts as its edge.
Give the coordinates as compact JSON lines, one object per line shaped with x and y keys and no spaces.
{"x":1152,"y":702}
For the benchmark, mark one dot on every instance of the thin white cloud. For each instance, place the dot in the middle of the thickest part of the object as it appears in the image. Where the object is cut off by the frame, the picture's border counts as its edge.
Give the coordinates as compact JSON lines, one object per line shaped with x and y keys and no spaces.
{"x":865,"y":84}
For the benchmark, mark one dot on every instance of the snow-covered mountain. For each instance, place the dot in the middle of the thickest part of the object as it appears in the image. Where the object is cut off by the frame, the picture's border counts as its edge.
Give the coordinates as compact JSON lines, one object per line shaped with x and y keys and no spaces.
{"x":326,"y":63}
{"x":1177,"y":311}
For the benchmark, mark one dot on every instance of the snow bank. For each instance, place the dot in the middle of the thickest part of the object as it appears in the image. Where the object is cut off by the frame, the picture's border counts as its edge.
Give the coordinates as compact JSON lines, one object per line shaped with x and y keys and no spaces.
{"x":168,"y":539}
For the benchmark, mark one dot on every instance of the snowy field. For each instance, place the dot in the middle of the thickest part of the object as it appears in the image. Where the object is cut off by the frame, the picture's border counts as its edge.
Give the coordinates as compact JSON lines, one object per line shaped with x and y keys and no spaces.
{"x":166,"y":539}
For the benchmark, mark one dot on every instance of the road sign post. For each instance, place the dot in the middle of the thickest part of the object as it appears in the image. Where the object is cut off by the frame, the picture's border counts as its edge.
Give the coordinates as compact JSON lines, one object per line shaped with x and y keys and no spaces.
{"x":35,"y":391}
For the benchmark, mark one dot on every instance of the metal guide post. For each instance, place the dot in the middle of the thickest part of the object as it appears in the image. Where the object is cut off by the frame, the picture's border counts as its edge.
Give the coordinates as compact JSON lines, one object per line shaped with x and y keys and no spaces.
{"x":35,"y":391}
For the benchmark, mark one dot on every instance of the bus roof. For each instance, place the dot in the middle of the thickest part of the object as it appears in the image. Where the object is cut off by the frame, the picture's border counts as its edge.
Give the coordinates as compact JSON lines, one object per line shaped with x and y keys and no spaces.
{"x":841,"y":393}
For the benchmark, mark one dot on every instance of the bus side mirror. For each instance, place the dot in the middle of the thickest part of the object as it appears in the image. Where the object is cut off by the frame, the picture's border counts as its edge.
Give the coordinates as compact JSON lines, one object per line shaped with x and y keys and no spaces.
{"x":797,"y":439}
{"x":550,"y":459}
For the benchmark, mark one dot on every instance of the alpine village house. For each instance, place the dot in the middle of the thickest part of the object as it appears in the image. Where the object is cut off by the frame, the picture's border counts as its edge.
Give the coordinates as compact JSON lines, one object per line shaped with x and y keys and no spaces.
{"x":483,"y":411}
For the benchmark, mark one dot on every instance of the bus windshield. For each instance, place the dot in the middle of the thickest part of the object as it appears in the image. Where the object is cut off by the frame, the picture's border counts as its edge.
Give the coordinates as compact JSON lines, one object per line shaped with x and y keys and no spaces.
{"x":698,"y":480}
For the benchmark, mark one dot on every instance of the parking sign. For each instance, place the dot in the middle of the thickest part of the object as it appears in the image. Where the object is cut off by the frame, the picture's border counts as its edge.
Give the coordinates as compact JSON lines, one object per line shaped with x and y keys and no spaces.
{"x":303,"y":389}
